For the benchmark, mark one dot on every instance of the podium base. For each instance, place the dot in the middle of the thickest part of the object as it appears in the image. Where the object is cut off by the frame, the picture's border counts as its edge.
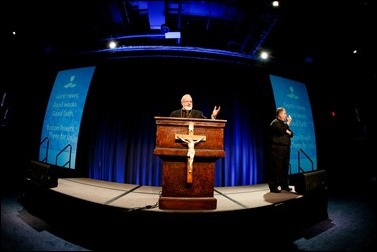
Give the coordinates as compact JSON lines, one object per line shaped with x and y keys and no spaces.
{"x":188,"y":203}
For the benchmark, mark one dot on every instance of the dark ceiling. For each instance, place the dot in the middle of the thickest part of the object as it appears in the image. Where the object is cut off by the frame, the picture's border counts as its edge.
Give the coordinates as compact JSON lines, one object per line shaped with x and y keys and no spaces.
{"x":297,"y":32}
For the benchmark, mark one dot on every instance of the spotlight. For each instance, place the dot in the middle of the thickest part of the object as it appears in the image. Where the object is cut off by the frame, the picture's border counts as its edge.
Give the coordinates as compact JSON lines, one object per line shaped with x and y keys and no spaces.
{"x":164,"y":29}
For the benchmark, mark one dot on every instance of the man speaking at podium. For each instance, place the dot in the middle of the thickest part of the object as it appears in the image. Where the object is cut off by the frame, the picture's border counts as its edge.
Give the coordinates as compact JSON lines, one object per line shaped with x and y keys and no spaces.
{"x":187,"y":111}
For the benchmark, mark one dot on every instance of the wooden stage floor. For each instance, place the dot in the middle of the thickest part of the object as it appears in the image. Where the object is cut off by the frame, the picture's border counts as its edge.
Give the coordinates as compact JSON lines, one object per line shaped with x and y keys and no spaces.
{"x":105,"y":215}
{"x":130,"y":196}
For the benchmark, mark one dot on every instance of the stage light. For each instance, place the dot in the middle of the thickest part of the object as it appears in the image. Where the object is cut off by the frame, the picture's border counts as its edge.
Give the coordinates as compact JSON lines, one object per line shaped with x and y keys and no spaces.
{"x":173,"y":35}
{"x":112,"y":44}
{"x":164,"y":28}
{"x":264,"y":55}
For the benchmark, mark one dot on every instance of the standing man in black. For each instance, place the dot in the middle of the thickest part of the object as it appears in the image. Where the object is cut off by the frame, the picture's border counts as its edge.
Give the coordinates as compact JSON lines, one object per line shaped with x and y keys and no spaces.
{"x":280,"y":136}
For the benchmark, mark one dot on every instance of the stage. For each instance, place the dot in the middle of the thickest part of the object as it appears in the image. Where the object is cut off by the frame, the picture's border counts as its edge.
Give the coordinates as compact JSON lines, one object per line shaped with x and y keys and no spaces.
{"x":99,"y":214}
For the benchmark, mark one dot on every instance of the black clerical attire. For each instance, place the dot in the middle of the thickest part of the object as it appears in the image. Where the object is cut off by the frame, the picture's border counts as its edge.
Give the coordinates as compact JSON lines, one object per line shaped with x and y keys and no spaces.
{"x":193,"y":113}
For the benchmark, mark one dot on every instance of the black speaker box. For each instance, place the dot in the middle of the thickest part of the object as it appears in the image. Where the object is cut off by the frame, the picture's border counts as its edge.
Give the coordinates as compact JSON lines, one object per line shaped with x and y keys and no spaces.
{"x":43,"y":174}
{"x":310,"y":181}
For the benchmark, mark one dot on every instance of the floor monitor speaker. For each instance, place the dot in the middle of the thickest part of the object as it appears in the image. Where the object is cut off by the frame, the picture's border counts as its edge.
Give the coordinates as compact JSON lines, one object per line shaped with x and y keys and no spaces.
{"x":43,"y":174}
{"x":310,"y":181}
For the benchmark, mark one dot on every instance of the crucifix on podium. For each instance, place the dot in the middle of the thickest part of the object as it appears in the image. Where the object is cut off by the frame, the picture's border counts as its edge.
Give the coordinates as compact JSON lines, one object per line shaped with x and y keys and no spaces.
{"x":191,"y":140}
{"x":188,"y":184}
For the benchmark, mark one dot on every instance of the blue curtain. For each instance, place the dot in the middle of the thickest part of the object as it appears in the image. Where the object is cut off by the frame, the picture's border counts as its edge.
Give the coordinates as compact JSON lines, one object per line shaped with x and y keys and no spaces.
{"x":117,"y":136}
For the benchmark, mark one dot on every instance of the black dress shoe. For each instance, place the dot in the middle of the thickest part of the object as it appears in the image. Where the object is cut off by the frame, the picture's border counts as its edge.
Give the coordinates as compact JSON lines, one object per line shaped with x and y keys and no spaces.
{"x":274,"y":190}
{"x":286,"y":188}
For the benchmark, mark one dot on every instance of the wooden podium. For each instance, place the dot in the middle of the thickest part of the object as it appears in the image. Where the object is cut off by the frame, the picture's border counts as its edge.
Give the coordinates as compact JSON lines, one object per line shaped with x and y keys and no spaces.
{"x":189,"y":148}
